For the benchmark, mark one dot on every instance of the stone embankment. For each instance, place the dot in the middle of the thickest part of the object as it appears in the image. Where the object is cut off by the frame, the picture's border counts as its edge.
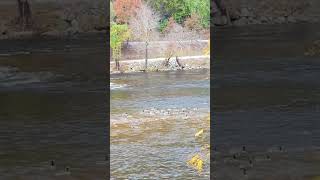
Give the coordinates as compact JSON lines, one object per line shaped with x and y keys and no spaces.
{"x":54,"y":18}
{"x":247,"y":12}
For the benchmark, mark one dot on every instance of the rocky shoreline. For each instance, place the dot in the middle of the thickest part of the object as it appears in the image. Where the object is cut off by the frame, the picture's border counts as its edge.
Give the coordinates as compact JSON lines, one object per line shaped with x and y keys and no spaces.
{"x":244,"y":12}
{"x":159,"y":64}
{"x":54,"y":19}
{"x":154,"y":114}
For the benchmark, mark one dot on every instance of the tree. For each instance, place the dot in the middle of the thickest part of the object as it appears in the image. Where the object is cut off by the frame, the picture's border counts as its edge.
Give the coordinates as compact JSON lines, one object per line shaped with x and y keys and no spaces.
{"x":180,"y":10}
{"x":144,"y":27}
{"x":118,"y":34}
{"x":24,"y":12}
{"x":177,"y":9}
{"x":112,"y":13}
{"x":124,"y":9}
{"x":200,"y":8}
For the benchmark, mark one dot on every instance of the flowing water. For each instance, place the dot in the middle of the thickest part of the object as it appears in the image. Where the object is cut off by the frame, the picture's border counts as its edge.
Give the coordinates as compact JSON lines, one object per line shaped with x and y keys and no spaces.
{"x":51,"y":108}
{"x":154,"y":117}
{"x":266,"y":98}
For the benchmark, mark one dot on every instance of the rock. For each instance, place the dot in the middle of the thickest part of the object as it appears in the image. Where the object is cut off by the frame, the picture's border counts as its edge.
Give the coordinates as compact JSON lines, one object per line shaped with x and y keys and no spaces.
{"x":220,"y":20}
{"x":53,"y":33}
{"x":263,"y":19}
{"x":245,"y":13}
{"x":280,"y":20}
{"x":291,"y":19}
{"x":313,"y":49}
{"x":253,"y":20}
{"x":4,"y":31}
{"x":75,"y":25}
{"x":302,"y":18}
{"x":241,"y":22}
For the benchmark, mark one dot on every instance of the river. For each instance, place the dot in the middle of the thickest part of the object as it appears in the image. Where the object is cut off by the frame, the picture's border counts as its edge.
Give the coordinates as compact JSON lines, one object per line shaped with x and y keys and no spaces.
{"x":52,"y":108}
{"x":154,"y":117}
{"x":266,"y":98}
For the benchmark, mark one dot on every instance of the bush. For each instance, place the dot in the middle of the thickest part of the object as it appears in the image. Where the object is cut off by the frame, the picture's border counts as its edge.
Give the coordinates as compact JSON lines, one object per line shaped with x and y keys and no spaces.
{"x":180,"y":10}
{"x":163,"y":25}
{"x":193,"y":22}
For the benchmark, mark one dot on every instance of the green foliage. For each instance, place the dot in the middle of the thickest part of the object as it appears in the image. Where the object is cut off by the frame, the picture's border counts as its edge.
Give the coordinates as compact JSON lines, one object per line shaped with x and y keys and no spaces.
{"x":202,"y":8}
{"x":163,"y":24}
{"x":118,"y":34}
{"x":112,"y":13}
{"x":181,"y":9}
{"x":175,"y":8}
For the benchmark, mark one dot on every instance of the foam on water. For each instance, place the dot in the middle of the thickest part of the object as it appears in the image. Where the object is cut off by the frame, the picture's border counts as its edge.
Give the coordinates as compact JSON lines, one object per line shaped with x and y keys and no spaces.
{"x":114,"y":86}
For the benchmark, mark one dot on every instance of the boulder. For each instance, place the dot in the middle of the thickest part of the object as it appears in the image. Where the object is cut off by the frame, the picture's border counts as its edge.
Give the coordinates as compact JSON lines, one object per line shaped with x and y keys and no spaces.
{"x":245,"y":12}
{"x":313,"y":49}
{"x":302,"y":18}
{"x":264,"y":19}
{"x":241,"y":22}
{"x":291,"y":19}
{"x":53,"y":33}
{"x":220,"y":20}
{"x":280,"y":20}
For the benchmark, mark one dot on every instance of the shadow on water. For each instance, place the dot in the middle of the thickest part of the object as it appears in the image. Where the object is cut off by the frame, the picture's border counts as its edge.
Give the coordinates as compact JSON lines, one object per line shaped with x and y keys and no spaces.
{"x":266,"y":95}
{"x":52,"y":110}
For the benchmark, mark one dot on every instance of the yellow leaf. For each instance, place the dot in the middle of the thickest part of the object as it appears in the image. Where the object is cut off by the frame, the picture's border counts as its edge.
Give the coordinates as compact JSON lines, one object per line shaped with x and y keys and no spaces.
{"x":198,"y":134}
{"x":196,"y":162}
{"x":206,"y":50}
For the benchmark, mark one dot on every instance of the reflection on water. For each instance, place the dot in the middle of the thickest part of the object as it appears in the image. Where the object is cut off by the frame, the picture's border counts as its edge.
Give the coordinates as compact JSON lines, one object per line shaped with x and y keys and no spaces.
{"x":266,"y":95}
{"x":154,"y":119}
{"x":51,"y":109}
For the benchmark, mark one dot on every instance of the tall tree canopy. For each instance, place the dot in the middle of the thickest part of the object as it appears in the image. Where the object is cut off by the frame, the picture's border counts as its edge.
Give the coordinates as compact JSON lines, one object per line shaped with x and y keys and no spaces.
{"x":181,"y":9}
{"x":124,"y":9}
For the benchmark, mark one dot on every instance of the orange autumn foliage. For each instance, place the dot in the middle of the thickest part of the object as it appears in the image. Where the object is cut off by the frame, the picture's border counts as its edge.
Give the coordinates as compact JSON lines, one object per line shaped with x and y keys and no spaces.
{"x":124,"y":9}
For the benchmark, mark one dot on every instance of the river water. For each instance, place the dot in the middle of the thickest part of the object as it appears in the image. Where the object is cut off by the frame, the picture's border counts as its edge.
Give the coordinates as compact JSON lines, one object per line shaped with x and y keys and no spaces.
{"x":154,"y":117}
{"x":51,"y":108}
{"x":266,"y":97}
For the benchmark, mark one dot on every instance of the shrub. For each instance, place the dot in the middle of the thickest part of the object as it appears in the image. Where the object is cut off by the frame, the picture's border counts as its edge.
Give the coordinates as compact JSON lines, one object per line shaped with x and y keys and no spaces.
{"x":193,"y":22}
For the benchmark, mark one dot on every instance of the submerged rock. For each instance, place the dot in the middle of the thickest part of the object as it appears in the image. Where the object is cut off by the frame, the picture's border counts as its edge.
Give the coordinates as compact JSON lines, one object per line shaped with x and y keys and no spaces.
{"x":313,"y":49}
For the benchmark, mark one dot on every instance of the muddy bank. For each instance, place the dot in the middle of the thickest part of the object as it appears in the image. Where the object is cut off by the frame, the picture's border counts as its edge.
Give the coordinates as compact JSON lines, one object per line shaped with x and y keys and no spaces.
{"x":161,"y":64}
{"x":53,"y":19}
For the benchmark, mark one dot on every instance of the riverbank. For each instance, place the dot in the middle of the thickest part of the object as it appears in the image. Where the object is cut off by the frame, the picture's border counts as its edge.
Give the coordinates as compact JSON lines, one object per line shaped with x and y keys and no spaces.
{"x":247,"y":12}
{"x":54,"y":19}
{"x":161,"y":64}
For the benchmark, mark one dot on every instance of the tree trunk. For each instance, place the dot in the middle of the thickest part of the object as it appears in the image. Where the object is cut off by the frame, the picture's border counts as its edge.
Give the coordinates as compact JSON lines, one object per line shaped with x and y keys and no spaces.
{"x":228,"y":17}
{"x":178,"y":62}
{"x":117,"y":64}
{"x":146,"y":62}
{"x":220,"y":4}
{"x":24,"y":12}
